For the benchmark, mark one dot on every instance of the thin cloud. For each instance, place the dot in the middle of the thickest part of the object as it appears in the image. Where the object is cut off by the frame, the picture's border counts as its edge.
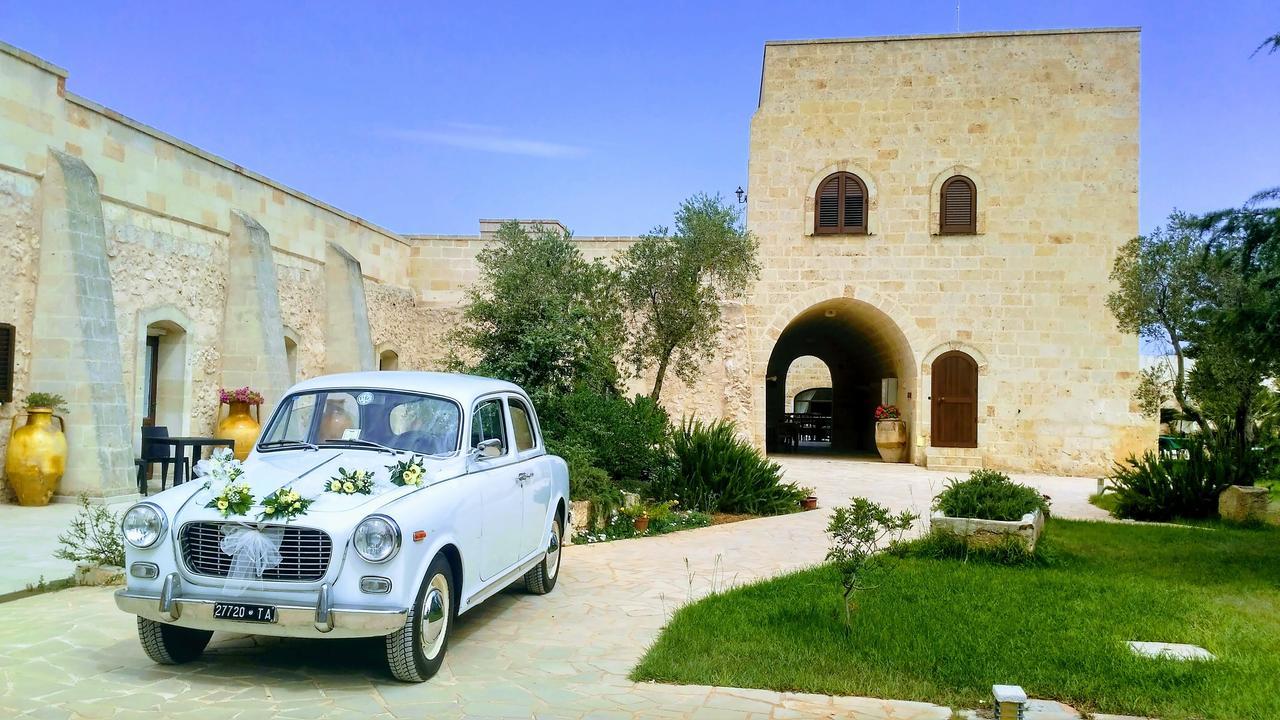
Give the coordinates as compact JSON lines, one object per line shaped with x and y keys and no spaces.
{"x":486,"y":138}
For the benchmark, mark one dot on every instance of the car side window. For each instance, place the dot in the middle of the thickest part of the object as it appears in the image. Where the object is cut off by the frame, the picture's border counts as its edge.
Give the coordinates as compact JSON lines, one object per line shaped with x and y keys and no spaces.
{"x":487,"y":424}
{"x":521,"y":425}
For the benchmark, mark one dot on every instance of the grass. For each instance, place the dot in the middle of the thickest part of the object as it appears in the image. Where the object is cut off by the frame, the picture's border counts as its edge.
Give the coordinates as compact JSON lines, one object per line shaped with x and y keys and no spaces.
{"x":945,"y":631}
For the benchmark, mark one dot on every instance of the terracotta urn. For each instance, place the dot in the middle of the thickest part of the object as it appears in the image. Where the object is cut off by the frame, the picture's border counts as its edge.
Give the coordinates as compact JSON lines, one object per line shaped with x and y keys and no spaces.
{"x":335,"y":421}
{"x":37,"y":456}
{"x":239,"y":425}
{"x":891,"y":440}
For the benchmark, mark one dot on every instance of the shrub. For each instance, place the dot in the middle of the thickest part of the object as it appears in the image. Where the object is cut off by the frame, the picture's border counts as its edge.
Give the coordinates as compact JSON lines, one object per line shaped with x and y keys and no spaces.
{"x":94,"y":537}
{"x":714,"y":470}
{"x":626,"y":438}
{"x":1009,"y":550}
{"x":588,"y":482}
{"x":857,"y":533}
{"x":45,"y":400}
{"x":988,"y":495}
{"x":1154,"y":487}
{"x":663,"y":518}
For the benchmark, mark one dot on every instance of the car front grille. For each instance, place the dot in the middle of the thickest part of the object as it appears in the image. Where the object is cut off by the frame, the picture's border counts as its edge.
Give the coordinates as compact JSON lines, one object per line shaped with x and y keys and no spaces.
{"x":304,"y":552}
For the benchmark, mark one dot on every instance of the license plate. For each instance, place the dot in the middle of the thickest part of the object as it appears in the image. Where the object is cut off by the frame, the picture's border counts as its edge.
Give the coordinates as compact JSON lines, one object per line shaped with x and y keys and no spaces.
{"x":244,"y":612}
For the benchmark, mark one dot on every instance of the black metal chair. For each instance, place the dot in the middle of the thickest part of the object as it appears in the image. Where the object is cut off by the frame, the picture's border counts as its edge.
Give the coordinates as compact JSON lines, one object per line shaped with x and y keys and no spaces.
{"x":154,"y":453}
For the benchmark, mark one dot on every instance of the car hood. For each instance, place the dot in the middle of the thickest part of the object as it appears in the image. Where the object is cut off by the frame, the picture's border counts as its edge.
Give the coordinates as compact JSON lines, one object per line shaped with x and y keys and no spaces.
{"x":308,"y":472}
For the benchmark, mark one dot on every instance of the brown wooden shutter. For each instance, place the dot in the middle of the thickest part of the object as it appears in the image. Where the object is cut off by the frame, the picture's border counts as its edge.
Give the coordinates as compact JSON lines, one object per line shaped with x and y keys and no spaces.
{"x":959,"y":207}
{"x":954,"y":401}
{"x":829,"y":204}
{"x":855,"y":206}
{"x":8,"y":341}
{"x":841,"y":205}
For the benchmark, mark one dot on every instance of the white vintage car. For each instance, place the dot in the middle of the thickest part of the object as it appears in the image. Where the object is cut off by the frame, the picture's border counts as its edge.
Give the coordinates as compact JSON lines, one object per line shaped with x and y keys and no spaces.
{"x":382,"y":504}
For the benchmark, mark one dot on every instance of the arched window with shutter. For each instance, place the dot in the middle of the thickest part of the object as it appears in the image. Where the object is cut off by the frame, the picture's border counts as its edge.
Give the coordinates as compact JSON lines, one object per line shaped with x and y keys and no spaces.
{"x":958,"y":209}
{"x":841,"y":205}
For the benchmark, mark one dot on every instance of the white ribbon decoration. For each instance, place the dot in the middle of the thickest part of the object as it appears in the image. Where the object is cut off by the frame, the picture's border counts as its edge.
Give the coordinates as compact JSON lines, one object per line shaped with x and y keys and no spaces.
{"x":252,"y":552}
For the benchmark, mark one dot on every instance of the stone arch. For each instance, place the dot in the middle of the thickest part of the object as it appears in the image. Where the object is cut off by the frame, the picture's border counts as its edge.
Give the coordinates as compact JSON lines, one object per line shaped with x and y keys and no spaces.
{"x":388,"y":357}
{"x":173,"y":352}
{"x":986,"y":392}
{"x":849,"y":166}
{"x":863,"y":340}
{"x":291,"y":339}
{"x":935,"y":197}
{"x":807,"y":372}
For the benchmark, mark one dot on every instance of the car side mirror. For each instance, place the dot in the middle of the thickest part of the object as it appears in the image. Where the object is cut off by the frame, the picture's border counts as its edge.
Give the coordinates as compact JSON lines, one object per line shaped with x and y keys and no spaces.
{"x":490,"y":448}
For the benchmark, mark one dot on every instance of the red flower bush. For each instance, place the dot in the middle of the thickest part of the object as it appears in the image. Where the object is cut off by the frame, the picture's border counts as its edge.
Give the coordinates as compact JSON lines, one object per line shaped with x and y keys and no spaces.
{"x":887,"y":412}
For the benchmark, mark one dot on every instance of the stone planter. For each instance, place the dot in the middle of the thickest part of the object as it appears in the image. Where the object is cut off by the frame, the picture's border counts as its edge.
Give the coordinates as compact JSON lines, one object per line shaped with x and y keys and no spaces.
{"x":99,"y":575}
{"x":981,"y":533}
{"x":891,"y":440}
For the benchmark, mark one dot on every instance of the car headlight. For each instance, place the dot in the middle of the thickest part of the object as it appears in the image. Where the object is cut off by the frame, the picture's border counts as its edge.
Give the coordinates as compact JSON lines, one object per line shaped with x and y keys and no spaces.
{"x":377,"y":538}
{"x":143,"y":525}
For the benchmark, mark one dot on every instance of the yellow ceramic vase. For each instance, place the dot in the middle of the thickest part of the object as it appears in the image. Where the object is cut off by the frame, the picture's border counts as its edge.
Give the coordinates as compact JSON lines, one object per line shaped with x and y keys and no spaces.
{"x":239,"y":426}
{"x":37,"y":456}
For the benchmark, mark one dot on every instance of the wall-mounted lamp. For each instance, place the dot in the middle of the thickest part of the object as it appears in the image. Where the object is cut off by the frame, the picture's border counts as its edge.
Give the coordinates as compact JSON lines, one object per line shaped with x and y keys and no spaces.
{"x":742,"y":195}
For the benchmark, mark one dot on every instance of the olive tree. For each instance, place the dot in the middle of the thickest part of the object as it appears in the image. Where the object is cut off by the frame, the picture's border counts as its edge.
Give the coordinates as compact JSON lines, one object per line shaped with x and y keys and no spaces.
{"x":675,"y":281}
{"x":1159,"y":287}
{"x":540,"y":315}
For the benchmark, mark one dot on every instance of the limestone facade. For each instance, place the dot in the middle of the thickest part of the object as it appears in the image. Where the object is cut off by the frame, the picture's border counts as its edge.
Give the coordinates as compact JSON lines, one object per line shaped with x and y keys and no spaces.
{"x":231,"y":278}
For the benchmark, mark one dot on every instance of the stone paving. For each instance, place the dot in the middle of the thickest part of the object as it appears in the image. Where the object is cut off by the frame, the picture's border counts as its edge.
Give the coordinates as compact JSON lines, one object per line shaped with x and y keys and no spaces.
{"x":28,"y":537}
{"x":71,"y":654}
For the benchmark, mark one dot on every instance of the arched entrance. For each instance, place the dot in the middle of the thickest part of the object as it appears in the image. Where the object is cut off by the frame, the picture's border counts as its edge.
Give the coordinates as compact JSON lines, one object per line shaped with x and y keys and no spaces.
{"x":868,"y":359}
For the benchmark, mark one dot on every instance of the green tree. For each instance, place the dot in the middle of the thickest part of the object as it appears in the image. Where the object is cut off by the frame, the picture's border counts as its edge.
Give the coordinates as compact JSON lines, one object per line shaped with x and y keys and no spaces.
{"x":1236,"y":335}
{"x":540,"y":316}
{"x":675,"y":282}
{"x":1159,"y":286}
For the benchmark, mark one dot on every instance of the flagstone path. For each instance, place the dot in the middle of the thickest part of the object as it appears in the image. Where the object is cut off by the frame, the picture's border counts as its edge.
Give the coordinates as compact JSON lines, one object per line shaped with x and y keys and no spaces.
{"x":71,"y":654}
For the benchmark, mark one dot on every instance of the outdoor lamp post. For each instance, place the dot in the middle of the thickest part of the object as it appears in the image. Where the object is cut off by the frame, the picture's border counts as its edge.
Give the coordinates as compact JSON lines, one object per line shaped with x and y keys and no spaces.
{"x":742,"y":195}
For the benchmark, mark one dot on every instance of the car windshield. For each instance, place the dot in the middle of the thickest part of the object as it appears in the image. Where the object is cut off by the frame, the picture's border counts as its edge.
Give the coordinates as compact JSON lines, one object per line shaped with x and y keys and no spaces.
{"x":358,"y":418}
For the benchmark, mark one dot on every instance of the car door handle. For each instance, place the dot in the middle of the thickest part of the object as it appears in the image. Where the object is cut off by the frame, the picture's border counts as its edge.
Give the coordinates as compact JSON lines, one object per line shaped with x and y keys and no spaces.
{"x":524,"y":476}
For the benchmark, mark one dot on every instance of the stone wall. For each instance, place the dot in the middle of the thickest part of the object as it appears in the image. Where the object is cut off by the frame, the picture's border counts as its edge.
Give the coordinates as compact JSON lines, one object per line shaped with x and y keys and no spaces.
{"x":1046,"y":124}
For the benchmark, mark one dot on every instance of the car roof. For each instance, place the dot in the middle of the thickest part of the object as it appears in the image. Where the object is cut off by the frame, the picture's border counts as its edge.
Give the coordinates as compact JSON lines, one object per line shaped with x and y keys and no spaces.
{"x":463,"y":388}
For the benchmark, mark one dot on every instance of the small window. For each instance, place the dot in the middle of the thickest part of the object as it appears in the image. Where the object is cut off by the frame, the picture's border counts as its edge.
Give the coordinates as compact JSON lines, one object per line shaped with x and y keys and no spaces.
{"x":841,"y":205}
{"x":487,"y":424}
{"x":523,"y":426}
{"x":958,"y":209}
{"x":7,"y":342}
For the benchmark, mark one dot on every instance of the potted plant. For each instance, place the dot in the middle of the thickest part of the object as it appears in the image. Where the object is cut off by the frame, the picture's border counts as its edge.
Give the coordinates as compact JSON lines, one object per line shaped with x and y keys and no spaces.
{"x":37,"y":454}
{"x":988,"y":509}
{"x":239,"y":425}
{"x":809,"y":503}
{"x":891,"y":434}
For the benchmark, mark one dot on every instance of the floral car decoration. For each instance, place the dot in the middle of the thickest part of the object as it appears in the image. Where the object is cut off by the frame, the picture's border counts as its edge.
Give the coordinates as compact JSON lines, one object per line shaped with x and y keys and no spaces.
{"x":284,"y":504}
{"x":222,"y":470}
{"x":409,"y":472}
{"x":887,"y":412}
{"x":350,"y":482}
{"x":270,"y":546}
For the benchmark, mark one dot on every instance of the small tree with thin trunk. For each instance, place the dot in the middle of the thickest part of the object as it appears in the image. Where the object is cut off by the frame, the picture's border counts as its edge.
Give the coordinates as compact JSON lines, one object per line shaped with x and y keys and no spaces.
{"x":1159,"y":280}
{"x":675,"y":282}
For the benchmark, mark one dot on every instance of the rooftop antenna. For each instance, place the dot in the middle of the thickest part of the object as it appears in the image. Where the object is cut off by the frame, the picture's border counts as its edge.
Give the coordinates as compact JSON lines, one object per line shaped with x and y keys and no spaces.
{"x":957,"y":15}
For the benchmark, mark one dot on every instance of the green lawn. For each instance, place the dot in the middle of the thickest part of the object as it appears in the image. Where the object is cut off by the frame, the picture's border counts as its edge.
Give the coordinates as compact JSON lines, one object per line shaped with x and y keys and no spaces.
{"x":946,"y":631}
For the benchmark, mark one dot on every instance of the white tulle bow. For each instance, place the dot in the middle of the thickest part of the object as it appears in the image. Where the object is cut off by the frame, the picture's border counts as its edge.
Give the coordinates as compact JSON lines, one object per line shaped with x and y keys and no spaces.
{"x":252,"y":552}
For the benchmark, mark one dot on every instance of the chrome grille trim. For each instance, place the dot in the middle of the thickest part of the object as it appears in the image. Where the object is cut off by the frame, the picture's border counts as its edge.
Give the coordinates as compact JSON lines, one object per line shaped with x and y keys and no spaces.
{"x":305,"y":552}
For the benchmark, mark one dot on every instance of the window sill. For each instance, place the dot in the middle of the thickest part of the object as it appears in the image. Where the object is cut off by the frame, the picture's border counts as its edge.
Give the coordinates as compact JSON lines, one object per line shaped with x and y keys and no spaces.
{"x":813,"y":234}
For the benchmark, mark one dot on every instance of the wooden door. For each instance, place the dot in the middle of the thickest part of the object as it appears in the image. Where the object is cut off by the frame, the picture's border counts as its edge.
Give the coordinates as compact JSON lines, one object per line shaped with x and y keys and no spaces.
{"x":954,"y":396}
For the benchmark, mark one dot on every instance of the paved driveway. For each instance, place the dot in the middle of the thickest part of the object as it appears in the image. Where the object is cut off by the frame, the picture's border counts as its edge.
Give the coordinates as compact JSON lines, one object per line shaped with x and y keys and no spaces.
{"x":567,"y":654}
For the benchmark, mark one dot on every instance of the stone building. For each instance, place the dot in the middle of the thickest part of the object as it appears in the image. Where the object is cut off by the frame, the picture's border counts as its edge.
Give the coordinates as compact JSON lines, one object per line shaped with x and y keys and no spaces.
{"x":142,"y":273}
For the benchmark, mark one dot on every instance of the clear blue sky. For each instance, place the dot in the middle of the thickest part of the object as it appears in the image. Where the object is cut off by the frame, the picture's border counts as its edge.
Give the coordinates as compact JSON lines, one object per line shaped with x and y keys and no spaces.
{"x":425,"y":116}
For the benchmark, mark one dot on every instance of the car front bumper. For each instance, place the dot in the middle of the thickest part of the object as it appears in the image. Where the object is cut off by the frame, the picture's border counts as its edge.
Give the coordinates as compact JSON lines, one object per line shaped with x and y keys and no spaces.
{"x":322,"y":620}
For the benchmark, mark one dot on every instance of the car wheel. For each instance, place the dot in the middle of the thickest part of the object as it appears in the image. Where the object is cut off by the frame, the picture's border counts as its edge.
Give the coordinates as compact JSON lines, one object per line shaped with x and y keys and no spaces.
{"x":170,"y":644}
{"x":542,"y":578}
{"x":415,"y":652}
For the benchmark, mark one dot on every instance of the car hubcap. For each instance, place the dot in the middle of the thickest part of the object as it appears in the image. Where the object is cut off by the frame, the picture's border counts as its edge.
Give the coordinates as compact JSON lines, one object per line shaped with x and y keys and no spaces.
{"x":553,"y":550}
{"x":435,"y":616}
